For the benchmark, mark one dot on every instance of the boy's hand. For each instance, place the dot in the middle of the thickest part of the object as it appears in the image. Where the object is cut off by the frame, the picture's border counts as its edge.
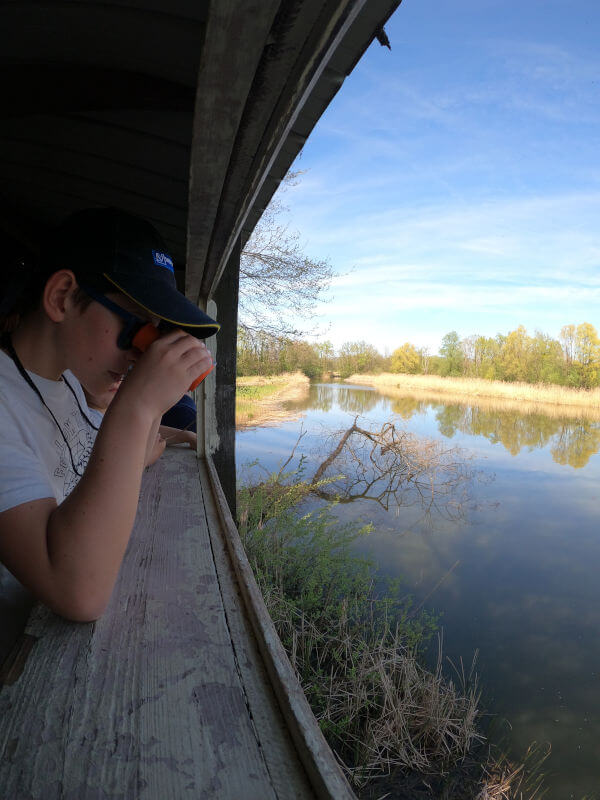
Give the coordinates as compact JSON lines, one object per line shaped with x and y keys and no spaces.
{"x":164,"y":372}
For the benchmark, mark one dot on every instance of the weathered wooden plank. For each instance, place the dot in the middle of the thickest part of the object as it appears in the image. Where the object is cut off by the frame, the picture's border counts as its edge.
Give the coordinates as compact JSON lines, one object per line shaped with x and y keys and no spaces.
{"x":323,"y":770}
{"x":287,"y":772}
{"x":312,"y":47}
{"x":147,"y":702}
{"x":220,"y":403}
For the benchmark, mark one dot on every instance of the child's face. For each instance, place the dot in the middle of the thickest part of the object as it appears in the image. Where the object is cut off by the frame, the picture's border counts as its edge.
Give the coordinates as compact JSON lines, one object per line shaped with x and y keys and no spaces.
{"x":97,"y":362}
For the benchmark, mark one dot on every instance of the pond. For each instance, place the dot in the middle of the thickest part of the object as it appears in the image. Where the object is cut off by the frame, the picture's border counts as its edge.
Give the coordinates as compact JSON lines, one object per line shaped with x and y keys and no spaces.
{"x":512,"y":566}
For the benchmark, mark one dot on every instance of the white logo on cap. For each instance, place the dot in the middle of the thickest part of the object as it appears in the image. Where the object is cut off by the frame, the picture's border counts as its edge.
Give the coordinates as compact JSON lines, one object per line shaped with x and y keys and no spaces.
{"x":163,"y":260}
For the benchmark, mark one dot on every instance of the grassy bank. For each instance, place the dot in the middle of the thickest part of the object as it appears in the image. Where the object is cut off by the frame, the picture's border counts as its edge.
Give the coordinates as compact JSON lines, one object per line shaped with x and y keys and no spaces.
{"x":550,"y":399}
{"x":356,"y":653}
{"x":260,"y":399}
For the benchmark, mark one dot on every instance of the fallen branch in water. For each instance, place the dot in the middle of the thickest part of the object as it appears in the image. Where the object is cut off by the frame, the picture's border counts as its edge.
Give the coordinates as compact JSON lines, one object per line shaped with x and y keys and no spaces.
{"x":392,"y":466}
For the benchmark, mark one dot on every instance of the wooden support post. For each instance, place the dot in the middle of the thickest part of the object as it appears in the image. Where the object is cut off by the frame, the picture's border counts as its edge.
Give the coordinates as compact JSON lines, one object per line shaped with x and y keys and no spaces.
{"x":219,"y":391}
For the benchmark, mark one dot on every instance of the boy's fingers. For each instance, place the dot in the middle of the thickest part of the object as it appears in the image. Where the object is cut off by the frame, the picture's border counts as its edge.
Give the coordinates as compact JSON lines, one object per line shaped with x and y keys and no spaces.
{"x":177,"y":344}
{"x":179,"y":335}
{"x":185,"y":346}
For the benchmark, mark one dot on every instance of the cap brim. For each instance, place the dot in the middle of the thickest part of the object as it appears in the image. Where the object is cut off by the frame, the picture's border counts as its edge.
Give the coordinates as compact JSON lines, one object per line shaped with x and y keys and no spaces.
{"x":168,"y":304}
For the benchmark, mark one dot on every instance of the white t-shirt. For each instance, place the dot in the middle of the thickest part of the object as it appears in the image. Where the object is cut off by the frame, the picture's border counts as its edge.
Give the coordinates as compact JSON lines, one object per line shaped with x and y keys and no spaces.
{"x":34,"y":458}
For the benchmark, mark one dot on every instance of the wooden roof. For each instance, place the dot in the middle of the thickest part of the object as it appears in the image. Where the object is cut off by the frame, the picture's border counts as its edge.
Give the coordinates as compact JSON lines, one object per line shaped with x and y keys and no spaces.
{"x":188,"y":113}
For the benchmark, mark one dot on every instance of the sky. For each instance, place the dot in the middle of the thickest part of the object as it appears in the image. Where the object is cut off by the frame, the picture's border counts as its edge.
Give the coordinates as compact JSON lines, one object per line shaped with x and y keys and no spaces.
{"x":454,"y":182}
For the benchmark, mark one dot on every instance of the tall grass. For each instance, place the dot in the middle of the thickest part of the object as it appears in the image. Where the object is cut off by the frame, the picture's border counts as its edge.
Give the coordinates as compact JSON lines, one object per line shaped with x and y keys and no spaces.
{"x":554,"y":399}
{"x":255,"y":392}
{"x":247,"y":397}
{"x":354,"y":643}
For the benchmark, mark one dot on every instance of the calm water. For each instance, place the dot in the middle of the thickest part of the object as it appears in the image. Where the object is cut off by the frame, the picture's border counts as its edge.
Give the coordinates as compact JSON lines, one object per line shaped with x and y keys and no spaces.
{"x":525,"y":591}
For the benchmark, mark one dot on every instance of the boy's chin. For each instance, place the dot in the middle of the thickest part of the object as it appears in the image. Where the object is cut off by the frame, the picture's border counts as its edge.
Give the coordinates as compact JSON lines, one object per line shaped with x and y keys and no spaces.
{"x":111,"y":390}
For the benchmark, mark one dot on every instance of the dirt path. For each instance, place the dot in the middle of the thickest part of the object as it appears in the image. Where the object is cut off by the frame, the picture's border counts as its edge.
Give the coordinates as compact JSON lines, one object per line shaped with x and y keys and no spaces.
{"x":269,"y":409}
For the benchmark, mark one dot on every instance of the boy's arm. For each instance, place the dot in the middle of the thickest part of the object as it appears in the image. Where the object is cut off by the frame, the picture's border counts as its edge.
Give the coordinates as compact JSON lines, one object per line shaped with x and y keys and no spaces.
{"x":69,"y":554}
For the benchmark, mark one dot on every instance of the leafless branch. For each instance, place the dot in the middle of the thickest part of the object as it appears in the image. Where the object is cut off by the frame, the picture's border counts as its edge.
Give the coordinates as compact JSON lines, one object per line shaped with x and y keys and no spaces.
{"x":391,"y":466}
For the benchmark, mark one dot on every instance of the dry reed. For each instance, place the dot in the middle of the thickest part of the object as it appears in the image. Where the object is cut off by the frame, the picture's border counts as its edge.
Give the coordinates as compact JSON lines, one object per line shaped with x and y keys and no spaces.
{"x":379,"y":707}
{"x":493,"y":395}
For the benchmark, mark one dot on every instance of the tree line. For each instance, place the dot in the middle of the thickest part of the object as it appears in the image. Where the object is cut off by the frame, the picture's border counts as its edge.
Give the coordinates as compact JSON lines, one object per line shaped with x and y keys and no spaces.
{"x":573,"y":359}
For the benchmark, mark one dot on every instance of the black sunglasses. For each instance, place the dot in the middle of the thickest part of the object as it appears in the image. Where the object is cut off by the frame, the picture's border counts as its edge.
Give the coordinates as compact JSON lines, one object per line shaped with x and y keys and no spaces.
{"x":132,"y":324}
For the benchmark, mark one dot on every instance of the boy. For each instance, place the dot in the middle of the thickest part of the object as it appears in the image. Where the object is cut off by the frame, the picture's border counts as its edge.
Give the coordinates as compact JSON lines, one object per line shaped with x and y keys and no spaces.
{"x":68,"y":491}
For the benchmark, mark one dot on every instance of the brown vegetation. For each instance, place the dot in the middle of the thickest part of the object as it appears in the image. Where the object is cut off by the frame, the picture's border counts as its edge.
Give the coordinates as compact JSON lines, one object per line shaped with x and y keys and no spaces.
{"x":261,"y":399}
{"x":528,"y":398}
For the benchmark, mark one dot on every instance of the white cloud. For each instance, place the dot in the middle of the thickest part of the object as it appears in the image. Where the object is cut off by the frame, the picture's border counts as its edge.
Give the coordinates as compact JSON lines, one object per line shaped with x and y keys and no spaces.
{"x":459,"y":190}
{"x":557,"y":233}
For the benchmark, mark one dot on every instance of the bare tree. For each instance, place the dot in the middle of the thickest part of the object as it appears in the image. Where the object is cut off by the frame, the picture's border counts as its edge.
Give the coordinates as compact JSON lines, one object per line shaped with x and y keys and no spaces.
{"x":279,"y":284}
{"x":393,"y":467}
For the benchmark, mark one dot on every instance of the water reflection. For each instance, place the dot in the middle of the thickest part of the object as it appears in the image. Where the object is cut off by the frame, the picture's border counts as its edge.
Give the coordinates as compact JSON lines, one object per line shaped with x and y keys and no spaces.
{"x":352,"y":399}
{"x":515,"y":576}
{"x":407,"y":407}
{"x":571,"y":440}
{"x":394,"y":468}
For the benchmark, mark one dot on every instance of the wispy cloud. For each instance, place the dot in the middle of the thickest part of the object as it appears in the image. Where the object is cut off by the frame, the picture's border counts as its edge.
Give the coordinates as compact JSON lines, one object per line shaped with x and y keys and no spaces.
{"x":556,"y":235}
{"x":454,"y":184}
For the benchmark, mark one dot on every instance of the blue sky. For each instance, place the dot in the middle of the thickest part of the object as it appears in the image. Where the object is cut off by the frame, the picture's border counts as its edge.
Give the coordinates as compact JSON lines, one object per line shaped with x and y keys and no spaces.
{"x":454,"y":183}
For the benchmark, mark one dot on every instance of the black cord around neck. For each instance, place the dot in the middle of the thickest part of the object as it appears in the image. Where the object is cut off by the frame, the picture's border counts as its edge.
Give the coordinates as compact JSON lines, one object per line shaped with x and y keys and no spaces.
{"x":7,"y":343}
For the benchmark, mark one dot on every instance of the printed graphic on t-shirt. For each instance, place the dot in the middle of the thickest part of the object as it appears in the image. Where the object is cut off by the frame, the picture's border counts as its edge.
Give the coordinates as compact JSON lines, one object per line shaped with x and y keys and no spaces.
{"x":80,"y":439}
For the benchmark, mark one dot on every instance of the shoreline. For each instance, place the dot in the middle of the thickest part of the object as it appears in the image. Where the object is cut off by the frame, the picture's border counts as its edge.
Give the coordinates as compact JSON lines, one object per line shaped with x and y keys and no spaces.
{"x":494,"y":395}
{"x":265,"y":397}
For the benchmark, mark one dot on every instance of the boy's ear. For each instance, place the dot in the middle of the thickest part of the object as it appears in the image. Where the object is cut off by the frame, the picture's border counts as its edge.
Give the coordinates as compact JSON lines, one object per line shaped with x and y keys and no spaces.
{"x":57,"y":292}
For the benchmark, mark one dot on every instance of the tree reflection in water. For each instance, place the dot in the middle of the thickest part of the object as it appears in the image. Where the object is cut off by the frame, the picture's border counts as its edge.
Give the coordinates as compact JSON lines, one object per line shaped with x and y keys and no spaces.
{"x":571,"y":441}
{"x":351,"y":399}
{"x":395,"y":468}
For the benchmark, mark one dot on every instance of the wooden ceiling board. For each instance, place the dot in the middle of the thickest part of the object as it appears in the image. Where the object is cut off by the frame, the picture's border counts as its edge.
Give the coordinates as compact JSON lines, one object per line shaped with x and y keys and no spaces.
{"x":139,"y":41}
{"x":107,"y":142}
{"x":104,"y":102}
{"x":97,"y":109}
{"x":228,"y":68}
{"x":273,"y":82}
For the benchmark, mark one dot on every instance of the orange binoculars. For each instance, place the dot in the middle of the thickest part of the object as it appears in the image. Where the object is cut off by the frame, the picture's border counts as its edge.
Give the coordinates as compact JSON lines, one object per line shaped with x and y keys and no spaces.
{"x":148,"y":334}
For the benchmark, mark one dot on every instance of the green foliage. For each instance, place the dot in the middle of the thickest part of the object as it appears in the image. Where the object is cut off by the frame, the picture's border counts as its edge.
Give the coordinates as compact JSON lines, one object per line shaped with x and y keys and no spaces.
{"x":309,"y":558}
{"x":358,"y":357}
{"x":355,"y":650}
{"x":571,"y":360}
{"x":261,"y":353}
{"x":247,"y":396}
{"x":515,"y":356}
{"x":452,"y":355}
{"x":406,"y":359}
{"x":324,"y":602}
{"x":587,"y":350}
{"x":255,"y":392}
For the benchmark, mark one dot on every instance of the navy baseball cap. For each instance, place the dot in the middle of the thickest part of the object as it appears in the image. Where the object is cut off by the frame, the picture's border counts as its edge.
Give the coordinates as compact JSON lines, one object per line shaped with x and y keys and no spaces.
{"x":129,"y":253}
